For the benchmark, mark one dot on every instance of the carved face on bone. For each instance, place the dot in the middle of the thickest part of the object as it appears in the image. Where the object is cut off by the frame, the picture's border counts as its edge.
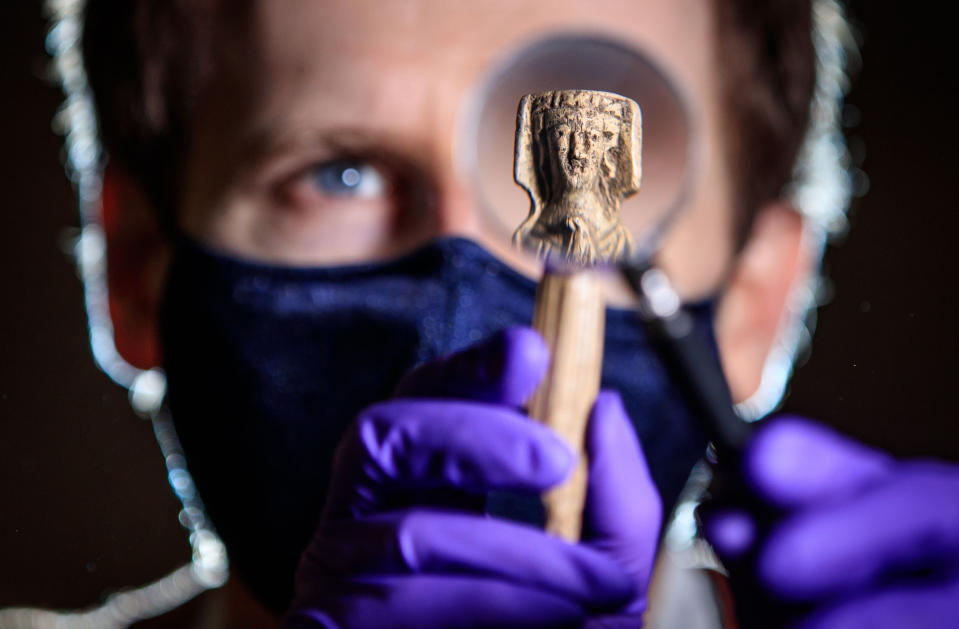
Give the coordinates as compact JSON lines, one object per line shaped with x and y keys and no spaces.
{"x":579,"y":142}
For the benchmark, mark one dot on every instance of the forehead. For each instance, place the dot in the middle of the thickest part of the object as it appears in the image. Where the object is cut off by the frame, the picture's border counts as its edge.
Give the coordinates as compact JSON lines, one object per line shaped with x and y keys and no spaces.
{"x":357,"y":62}
{"x":463,"y":29}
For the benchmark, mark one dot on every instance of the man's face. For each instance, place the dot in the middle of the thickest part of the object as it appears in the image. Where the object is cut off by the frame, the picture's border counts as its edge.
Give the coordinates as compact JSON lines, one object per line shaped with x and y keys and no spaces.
{"x":332,"y":137}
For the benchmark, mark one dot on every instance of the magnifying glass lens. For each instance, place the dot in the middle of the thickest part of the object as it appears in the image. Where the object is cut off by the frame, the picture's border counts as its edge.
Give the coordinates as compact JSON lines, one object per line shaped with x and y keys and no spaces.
{"x":573,"y":62}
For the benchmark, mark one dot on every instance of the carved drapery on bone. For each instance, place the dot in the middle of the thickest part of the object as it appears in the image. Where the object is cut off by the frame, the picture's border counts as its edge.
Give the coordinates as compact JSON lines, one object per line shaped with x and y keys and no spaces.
{"x":578,"y":156}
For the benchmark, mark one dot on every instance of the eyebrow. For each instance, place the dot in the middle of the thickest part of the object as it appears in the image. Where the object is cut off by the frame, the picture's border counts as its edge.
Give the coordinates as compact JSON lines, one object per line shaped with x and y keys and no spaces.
{"x":271,"y":144}
{"x":264,"y":144}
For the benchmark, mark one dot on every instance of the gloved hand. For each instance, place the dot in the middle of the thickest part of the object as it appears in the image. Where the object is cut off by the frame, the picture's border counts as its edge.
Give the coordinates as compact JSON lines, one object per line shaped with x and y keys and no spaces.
{"x":859,"y":539}
{"x":403,"y":541}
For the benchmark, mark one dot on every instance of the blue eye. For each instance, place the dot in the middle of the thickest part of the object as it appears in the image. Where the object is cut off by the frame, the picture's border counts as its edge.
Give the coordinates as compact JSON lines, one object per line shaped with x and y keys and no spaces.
{"x":348,"y":178}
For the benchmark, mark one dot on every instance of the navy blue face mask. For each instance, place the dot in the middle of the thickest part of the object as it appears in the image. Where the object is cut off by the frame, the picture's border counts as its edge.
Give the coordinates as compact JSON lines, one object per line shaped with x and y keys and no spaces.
{"x":268,"y":365}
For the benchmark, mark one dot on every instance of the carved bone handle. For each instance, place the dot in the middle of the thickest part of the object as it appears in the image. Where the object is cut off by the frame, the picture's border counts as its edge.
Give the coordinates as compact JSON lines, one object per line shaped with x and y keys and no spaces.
{"x":570,"y":314}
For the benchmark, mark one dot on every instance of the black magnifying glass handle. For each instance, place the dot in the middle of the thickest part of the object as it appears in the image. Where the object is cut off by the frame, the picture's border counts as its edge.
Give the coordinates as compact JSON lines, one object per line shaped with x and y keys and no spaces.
{"x":690,"y":362}
{"x":695,"y":368}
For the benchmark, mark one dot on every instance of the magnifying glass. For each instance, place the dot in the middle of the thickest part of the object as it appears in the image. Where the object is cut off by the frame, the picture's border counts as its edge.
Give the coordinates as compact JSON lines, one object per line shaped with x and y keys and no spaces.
{"x":669,"y":162}
{"x":585,"y":62}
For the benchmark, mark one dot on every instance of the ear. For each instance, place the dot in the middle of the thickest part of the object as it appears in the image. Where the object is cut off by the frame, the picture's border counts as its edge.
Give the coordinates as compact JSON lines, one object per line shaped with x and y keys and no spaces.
{"x":137,"y":259}
{"x":754,"y":306}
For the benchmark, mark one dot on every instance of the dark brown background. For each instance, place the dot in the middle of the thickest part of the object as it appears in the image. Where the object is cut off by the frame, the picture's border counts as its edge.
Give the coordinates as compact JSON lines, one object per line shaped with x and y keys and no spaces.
{"x":85,"y":507}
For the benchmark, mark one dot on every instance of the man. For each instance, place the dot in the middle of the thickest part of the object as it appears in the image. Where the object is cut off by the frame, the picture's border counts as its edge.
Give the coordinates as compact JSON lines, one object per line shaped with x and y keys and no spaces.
{"x":288,"y":235}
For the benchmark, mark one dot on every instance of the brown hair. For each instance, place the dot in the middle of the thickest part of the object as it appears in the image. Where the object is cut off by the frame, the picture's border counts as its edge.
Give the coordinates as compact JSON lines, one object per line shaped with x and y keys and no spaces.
{"x":768,"y":70}
{"x":147,"y":62}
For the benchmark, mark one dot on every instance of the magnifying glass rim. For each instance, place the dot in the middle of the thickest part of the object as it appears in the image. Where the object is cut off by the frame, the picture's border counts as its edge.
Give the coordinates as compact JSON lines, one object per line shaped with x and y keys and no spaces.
{"x":647,"y":244}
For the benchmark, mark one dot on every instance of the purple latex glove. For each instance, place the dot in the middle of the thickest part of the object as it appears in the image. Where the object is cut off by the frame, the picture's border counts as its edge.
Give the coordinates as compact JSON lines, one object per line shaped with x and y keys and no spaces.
{"x":403,"y":541}
{"x":860,"y":539}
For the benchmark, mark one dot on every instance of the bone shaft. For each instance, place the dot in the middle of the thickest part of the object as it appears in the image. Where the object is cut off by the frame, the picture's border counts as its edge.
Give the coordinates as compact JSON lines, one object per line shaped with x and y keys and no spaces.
{"x":570,"y":314}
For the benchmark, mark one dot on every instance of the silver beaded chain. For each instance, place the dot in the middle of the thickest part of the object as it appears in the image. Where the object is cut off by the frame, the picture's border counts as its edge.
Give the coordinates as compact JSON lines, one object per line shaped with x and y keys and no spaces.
{"x":208,"y":567}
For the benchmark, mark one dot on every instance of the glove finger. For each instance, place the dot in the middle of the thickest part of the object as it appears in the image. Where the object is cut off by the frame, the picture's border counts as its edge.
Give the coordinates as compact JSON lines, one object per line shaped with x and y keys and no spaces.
{"x":441,"y":542}
{"x":433,"y":602}
{"x":503,"y":369}
{"x":930,"y":606}
{"x":731,"y":531}
{"x":423,"y":444}
{"x":793,"y":462}
{"x":910,"y":521}
{"x":623,"y":512}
